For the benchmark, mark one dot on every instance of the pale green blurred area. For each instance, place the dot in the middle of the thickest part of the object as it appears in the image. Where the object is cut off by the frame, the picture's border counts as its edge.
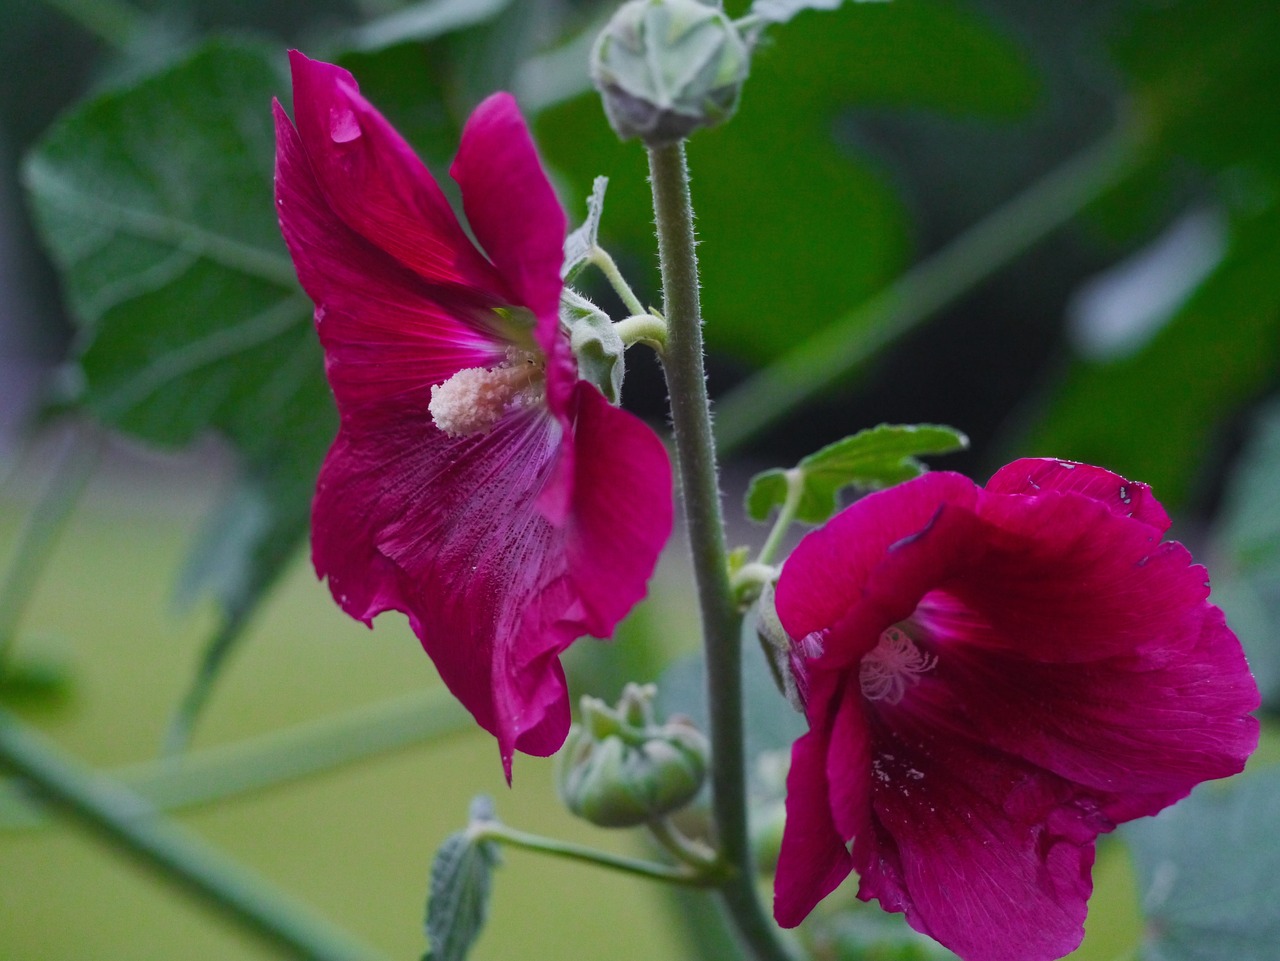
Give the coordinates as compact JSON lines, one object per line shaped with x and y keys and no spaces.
{"x":356,"y":843}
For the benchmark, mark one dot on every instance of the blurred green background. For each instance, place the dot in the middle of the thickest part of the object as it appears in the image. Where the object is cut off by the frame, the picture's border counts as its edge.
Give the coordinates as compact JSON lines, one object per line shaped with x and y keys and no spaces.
{"x":1053,"y":225}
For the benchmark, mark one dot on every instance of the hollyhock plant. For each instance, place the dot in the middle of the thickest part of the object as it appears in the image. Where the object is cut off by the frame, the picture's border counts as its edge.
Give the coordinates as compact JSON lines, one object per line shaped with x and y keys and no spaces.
{"x":992,"y":678}
{"x":476,"y":483}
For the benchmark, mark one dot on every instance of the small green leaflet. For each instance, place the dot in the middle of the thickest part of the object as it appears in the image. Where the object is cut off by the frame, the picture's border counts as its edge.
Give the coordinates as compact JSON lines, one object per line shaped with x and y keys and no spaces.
{"x":579,"y":244}
{"x":461,"y":880}
{"x":1207,"y":871}
{"x":871,"y":459}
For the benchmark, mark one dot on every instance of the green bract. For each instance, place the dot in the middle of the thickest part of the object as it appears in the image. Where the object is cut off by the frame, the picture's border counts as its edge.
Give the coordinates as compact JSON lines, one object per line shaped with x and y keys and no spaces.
{"x":620,"y":768}
{"x":595,"y":343}
{"x":667,"y":68}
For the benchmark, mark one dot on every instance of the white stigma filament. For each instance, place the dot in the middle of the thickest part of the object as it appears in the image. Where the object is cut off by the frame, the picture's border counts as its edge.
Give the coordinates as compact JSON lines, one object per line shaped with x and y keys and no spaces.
{"x":893,"y":666}
{"x":476,"y":398}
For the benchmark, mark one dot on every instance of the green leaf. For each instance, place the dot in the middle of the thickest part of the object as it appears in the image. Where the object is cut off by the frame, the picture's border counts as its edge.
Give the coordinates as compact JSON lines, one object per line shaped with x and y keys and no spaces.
{"x":1246,"y":581}
{"x":1151,"y":415}
{"x":579,"y":244}
{"x":595,"y":343}
{"x":155,"y":200}
{"x":839,"y":226}
{"x":423,"y":21}
{"x":1203,"y":74}
{"x":461,"y":881}
{"x":871,"y":459}
{"x":1207,"y":868}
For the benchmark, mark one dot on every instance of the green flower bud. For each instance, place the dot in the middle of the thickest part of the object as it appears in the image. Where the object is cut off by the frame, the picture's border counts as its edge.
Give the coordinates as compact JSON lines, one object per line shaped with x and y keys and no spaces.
{"x":667,"y":68}
{"x":620,"y":768}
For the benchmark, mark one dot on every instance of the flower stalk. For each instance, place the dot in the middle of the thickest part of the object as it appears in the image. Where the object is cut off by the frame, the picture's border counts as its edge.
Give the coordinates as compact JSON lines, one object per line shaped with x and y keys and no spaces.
{"x":698,"y":877}
{"x":699,"y":480}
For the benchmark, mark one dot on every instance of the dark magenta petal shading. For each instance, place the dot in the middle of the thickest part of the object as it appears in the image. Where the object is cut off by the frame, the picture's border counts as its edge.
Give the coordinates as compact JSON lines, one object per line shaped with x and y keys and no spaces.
{"x":374,"y":182}
{"x":989,"y":856}
{"x":1070,"y":675}
{"x":502,"y":546}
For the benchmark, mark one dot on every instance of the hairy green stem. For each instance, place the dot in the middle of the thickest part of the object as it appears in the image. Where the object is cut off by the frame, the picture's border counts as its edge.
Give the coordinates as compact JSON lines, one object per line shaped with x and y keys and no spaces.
{"x":255,"y":764}
{"x":497,"y":831}
{"x":817,"y":363}
{"x":127,"y":821}
{"x":699,"y":480}
{"x":40,"y":536}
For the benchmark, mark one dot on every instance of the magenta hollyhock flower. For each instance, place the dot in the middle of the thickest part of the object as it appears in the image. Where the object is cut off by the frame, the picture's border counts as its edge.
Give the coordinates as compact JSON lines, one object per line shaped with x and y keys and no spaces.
{"x":993,"y":677}
{"x":476,"y":484}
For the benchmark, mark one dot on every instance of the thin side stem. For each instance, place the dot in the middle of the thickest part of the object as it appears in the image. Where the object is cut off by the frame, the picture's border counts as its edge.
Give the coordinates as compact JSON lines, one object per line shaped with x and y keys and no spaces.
{"x":600,"y":257}
{"x":817,"y":363}
{"x":786,"y":516}
{"x":128,"y":822}
{"x":40,"y":536}
{"x":696,"y":463}
{"x":496,"y":831}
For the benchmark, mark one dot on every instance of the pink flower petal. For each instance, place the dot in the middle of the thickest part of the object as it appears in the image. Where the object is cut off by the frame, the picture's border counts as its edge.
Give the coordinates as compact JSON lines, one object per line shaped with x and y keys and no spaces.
{"x":375,"y":183}
{"x":1059,"y":670}
{"x":1033,"y":475}
{"x":388,"y":336}
{"x":510,"y":204}
{"x":829,"y":569}
{"x":987,"y":855}
{"x":813,"y":859}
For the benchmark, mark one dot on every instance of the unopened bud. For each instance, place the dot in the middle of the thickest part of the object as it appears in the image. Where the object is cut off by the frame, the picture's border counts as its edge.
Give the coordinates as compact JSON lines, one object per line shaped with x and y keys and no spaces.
{"x":667,"y":68}
{"x":620,"y":768}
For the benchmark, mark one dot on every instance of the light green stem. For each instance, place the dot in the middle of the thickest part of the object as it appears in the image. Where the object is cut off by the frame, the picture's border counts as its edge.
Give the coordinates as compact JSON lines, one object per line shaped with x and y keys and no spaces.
{"x":203,"y":777}
{"x":643,"y":329}
{"x":496,"y":831}
{"x":817,"y":363}
{"x":786,"y":515}
{"x":699,"y":481}
{"x":40,"y":536}
{"x":125,"y":820}
{"x":600,"y":257}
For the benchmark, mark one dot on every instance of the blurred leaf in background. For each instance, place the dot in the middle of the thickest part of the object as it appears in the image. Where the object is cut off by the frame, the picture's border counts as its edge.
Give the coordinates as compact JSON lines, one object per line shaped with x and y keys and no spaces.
{"x":1207,"y":869}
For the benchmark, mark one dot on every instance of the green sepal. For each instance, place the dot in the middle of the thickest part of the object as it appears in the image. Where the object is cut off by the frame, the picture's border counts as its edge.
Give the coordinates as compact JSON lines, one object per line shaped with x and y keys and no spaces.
{"x":871,"y":459}
{"x":579,"y":244}
{"x":461,"y":882}
{"x":595,"y":344}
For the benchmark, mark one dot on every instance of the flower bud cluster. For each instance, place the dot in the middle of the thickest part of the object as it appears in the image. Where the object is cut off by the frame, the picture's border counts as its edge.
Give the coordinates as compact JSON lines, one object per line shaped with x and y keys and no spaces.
{"x":621,"y":768}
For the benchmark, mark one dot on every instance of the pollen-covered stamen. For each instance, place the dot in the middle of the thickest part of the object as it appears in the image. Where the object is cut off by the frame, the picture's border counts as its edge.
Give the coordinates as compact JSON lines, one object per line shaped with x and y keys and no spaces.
{"x":893,"y":666}
{"x":476,"y":398}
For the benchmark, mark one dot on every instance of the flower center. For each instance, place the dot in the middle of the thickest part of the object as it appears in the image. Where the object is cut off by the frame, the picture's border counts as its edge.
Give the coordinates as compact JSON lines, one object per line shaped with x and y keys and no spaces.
{"x":476,"y":398}
{"x":893,"y":666}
